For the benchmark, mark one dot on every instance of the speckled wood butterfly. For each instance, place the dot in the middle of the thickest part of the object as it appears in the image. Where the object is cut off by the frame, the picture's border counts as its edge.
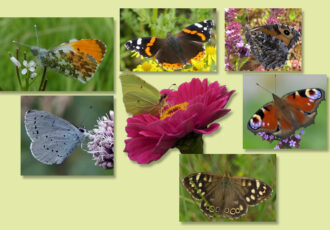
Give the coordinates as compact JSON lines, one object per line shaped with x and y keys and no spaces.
{"x":224,"y":195}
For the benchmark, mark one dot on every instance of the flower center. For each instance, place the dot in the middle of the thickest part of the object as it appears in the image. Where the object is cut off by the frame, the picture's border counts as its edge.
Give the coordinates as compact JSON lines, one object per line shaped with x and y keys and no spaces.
{"x":146,"y":66}
{"x":170,"y":111}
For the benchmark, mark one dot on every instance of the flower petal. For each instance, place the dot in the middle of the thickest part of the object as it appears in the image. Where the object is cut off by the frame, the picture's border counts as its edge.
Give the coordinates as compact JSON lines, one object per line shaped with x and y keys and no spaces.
{"x":32,"y":63}
{"x":24,"y":71}
{"x":15,"y":61}
{"x":213,"y":127}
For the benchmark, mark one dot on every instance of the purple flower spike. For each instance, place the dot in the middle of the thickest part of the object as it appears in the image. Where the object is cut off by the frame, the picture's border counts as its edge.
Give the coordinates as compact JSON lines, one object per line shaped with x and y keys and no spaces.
{"x":101,"y":143}
{"x":230,"y":14}
{"x":233,"y":36}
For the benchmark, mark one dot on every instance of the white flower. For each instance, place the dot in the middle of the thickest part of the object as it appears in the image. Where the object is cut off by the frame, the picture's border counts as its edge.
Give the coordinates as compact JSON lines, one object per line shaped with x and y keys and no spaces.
{"x":31,"y":66}
{"x":33,"y":75}
{"x":15,"y":61}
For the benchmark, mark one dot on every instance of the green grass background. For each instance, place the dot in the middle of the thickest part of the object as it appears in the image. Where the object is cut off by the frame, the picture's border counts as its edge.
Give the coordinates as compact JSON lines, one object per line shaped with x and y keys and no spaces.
{"x":262,"y":167}
{"x":52,"y":32}
{"x":136,"y":23}
{"x":82,"y":111}
{"x":254,"y":97}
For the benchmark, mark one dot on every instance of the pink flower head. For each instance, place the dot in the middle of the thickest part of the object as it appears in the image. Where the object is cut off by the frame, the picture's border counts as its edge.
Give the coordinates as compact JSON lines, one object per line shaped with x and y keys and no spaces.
{"x":191,"y":109}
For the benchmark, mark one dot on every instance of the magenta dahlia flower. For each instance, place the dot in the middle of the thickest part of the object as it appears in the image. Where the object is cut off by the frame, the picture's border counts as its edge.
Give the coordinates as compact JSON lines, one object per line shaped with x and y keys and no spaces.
{"x":189,"y":113}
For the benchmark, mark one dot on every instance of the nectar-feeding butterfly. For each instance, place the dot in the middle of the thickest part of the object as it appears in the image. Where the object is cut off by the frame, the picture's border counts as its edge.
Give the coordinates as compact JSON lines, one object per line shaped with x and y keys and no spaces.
{"x":141,"y":97}
{"x":78,"y":59}
{"x":53,"y":139}
{"x":283,"y":116}
{"x":271,"y":44}
{"x":174,"y":52}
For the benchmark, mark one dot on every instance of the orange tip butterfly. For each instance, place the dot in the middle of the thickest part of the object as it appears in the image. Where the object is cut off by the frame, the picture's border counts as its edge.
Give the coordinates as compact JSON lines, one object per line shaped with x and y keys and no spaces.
{"x":78,"y":59}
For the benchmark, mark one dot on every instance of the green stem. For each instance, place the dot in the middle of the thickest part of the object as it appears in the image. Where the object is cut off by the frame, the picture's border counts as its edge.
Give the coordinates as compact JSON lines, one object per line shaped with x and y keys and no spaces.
{"x":17,"y":70}
{"x":191,"y":144}
{"x":43,"y":83}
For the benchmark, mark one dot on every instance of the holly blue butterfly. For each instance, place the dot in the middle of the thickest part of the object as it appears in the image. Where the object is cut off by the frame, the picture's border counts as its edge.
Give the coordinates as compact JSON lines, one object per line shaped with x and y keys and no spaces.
{"x":53,"y":139}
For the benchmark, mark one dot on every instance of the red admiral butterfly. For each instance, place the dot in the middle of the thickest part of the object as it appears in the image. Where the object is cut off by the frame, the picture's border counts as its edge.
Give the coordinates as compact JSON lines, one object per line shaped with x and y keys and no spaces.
{"x":175,"y":52}
{"x":271,"y":44}
{"x":283,"y":116}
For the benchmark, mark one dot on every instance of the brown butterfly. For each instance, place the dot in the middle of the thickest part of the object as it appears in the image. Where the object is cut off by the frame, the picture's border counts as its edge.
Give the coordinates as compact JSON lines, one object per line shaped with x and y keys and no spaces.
{"x":224,"y":195}
{"x":271,"y":44}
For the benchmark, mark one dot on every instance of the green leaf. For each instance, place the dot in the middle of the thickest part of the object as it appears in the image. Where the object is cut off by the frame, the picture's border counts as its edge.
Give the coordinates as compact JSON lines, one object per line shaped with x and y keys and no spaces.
{"x":292,"y":15}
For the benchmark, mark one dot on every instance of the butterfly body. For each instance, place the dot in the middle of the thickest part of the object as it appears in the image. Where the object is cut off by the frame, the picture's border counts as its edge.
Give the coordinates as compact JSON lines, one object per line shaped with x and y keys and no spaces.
{"x":77,"y":58}
{"x":174,"y":52}
{"x":283,"y":116}
{"x":271,"y":44}
{"x":224,"y":195}
{"x":53,"y":139}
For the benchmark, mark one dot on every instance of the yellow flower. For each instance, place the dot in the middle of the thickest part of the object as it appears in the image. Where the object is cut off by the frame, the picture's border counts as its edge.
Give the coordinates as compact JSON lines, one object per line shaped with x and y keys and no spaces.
{"x":148,"y":66}
{"x":211,"y":53}
{"x":198,"y":66}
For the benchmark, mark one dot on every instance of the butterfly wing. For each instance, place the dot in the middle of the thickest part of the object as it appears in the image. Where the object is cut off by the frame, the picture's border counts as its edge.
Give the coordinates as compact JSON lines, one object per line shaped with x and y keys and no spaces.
{"x":264,"y":120}
{"x":241,"y":192}
{"x":198,"y":32}
{"x":270,"y":44}
{"x":275,"y":119}
{"x":202,"y":186}
{"x":303,"y":104}
{"x":77,"y":58}
{"x":147,"y":47}
{"x":189,"y":51}
{"x":186,"y":47}
{"x":53,"y":138}
{"x":139,"y":96}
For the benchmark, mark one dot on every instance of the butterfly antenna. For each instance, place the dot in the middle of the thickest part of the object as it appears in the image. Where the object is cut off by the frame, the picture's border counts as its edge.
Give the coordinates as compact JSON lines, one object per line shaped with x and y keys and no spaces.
{"x":275,"y":83}
{"x":36,"y":30}
{"x":264,"y":88}
{"x":22,"y":44}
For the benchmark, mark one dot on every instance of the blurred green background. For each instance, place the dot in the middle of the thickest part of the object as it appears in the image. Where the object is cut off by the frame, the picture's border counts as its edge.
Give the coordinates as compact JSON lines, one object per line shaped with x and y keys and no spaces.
{"x":82,"y":111}
{"x":136,"y":23}
{"x":52,"y":32}
{"x":262,"y":167}
{"x":254,"y":97}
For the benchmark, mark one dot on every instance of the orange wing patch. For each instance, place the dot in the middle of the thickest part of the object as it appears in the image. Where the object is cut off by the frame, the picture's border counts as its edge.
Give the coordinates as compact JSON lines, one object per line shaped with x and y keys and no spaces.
{"x":92,"y":47}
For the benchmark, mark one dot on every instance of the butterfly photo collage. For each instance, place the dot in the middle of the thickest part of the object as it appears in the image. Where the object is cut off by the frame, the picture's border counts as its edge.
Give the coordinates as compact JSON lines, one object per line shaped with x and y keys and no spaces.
{"x":158,"y":114}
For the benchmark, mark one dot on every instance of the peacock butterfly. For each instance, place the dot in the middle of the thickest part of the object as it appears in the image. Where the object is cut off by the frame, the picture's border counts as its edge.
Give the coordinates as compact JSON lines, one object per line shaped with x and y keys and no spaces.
{"x":283,"y":116}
